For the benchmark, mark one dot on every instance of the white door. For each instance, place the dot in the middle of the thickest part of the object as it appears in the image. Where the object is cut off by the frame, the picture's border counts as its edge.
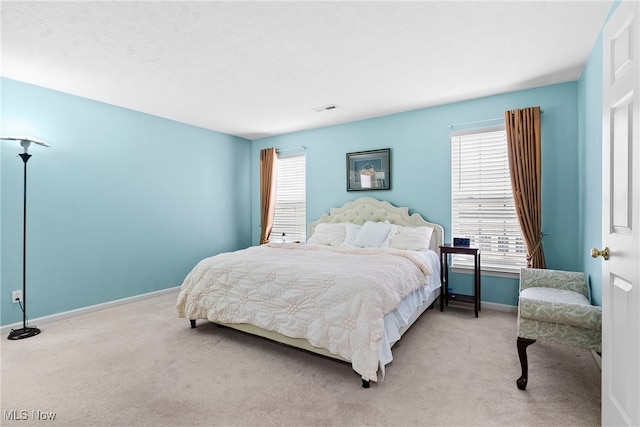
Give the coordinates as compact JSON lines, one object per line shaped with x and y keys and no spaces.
{"x":621,"y":218}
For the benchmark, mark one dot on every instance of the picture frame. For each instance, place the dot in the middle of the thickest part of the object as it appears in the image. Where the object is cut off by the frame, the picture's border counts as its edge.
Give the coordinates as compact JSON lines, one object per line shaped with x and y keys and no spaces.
{"x":369,"y":170}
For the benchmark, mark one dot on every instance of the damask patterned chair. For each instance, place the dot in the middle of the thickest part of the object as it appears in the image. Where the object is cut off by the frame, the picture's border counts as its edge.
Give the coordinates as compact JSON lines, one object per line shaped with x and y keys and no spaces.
{"x":554,"y":306}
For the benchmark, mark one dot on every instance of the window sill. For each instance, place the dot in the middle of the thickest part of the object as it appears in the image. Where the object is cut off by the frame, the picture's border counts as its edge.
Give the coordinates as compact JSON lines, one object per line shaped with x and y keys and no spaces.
{"x":508,"y":273}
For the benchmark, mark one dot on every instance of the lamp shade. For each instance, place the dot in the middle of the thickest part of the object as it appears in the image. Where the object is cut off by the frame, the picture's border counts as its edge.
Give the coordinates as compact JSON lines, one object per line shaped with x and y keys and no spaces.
{"x":25,"y":141}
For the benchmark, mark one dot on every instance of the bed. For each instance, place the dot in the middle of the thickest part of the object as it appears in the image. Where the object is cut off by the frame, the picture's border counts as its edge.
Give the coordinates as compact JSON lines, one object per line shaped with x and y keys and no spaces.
{"x":365,"y":275}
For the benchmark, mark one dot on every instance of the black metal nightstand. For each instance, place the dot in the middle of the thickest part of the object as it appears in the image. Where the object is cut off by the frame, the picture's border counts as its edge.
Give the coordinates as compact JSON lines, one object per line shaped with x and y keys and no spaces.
{"x":445,"y":250}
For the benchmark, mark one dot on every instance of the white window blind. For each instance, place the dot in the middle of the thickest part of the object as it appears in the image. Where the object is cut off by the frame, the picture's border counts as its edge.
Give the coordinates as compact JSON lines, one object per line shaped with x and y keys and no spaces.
{"x":482,"y":200}
{"x":291,"y":200}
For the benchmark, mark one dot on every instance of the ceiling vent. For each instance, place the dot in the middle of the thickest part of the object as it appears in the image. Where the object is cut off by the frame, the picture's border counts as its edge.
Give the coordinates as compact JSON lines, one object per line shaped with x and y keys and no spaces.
{"x":326,"y":108}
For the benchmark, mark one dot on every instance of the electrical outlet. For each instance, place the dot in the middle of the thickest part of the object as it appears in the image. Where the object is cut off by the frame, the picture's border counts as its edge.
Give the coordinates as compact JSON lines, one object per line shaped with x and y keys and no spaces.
{"x":16,"y":296}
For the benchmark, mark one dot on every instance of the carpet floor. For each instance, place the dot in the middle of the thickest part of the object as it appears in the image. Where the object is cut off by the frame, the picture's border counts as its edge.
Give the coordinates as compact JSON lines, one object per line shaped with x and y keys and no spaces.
{"x":139,"y":365}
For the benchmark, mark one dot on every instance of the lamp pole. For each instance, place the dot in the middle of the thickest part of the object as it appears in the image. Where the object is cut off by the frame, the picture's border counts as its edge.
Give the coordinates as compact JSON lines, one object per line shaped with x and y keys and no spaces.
{"x":25,"y":331}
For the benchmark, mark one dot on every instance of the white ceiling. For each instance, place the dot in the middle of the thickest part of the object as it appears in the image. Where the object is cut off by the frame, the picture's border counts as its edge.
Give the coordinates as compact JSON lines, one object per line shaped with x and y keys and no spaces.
{"x":256,"y":69}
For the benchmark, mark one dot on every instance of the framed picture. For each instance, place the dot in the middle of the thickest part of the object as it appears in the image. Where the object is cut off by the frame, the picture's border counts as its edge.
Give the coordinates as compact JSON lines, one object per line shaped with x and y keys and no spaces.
{"x":369,"y":170}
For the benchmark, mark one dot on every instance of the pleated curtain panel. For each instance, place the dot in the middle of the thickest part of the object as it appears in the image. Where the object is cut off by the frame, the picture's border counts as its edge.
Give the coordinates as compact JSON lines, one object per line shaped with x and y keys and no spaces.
{"x":525,"y":161}
{"x":268,"y":176}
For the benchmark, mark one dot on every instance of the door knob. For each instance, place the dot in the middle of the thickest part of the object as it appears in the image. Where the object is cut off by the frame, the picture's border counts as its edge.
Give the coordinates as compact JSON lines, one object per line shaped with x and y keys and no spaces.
{"x":603,"y":253}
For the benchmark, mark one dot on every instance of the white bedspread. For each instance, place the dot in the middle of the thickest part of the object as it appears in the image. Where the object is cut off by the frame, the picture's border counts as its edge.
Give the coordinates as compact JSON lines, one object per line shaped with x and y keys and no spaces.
{"x":334,"y":297}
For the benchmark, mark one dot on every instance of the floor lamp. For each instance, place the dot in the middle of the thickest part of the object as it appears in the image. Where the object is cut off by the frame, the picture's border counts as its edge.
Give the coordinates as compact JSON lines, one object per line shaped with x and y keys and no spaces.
{"x":25,"y":331}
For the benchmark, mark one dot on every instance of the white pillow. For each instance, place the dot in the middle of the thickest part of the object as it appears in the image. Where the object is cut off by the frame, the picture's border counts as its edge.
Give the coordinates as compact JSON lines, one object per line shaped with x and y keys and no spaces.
{"x":373,"y":234}
{"x":393,"y":230}
{"x":328,"y":234}
{"x":351,"y":233}
{"x":412,"y":238}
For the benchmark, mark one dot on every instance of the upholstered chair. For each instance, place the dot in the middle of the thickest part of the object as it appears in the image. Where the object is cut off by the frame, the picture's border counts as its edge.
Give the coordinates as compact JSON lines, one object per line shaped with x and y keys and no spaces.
{"x":554,"y":306}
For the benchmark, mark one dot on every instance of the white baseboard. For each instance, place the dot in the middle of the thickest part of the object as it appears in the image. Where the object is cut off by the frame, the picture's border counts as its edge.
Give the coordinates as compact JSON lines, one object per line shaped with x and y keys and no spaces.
{"x":85,"y":310}
{"x":597,"y":358}
{"x":500,"y":307}
{"x":487,"y":305}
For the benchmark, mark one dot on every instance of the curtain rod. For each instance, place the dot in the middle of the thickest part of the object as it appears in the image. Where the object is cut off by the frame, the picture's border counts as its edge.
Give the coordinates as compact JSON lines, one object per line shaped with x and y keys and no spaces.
{"x":302,"y":147}
{"x":450,"y":126}
{"x":477,"y":121}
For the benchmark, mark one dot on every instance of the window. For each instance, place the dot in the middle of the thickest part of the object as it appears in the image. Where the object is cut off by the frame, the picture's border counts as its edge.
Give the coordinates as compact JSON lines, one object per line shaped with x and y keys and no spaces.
{"x":291,"y":201}
{"x":482,"y":200}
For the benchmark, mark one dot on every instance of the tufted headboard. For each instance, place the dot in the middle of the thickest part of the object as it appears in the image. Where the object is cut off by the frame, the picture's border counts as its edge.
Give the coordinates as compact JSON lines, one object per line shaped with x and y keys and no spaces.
{"x":369,"y":209}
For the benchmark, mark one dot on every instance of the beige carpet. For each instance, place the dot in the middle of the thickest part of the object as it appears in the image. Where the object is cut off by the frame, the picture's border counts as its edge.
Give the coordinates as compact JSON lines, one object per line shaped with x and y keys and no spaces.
{"x":139,"y":364}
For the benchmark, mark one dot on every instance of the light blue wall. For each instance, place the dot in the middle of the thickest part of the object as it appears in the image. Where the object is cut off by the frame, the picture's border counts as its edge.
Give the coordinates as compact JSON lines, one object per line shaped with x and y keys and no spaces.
{"x":420,"y":165}
{"x":590,"y":136}
{"x":123,"y":203}
{"x":590,"y":155}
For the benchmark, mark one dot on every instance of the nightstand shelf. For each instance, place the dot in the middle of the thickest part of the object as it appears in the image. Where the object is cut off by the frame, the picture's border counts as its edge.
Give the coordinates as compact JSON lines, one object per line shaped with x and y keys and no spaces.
{"x":445,"y":251}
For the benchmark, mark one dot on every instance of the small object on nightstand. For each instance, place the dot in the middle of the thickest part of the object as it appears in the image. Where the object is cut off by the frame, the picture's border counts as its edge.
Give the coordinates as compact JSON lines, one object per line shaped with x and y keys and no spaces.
{"x":461,"y":241}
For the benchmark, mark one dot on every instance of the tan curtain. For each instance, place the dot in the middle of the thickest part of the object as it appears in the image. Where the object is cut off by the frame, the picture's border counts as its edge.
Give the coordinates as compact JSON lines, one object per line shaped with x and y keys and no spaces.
{"x":524,"y":147}
{"x":268,"y":175}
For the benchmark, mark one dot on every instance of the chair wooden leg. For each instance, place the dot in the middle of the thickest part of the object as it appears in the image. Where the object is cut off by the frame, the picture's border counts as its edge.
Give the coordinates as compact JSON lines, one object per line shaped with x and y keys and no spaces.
{"x":523,"y":343}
